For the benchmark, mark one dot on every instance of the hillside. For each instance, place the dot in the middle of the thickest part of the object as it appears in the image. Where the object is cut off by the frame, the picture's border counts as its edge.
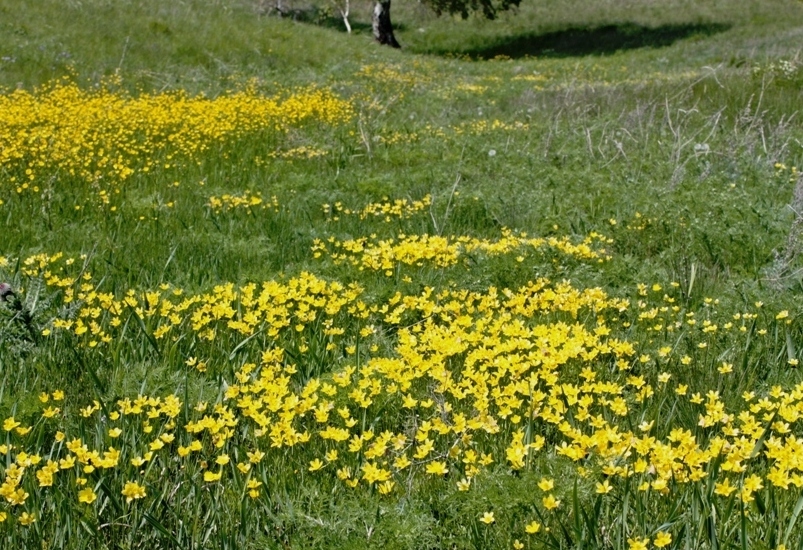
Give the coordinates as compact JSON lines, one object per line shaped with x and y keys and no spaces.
{"x":531,"y":282}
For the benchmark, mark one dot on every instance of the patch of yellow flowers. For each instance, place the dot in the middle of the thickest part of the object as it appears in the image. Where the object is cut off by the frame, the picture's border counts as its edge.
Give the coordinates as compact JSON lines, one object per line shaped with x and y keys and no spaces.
{"x":467,"y":380}
{"x":108,"y":136}
{"x":385,"y":255}
{"x":246,"y":200}
{"x":386,"y":210}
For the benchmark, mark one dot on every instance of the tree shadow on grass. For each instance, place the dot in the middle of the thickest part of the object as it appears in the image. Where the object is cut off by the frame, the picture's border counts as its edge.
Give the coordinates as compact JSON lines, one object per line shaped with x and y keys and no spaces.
{"x":576,"y":42}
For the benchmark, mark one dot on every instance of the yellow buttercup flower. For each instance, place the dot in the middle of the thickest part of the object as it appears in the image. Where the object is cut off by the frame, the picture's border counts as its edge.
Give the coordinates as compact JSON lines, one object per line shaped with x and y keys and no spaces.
{"x":133,"y":491}
{"x":550,"y":502}
{"x":437,"y":468}
{"x":546,"y":484}
{"x":532,"y":528}
{"x":662,"y":539}
{"x":386,"y":487}
{"x":210,"y":476}
{"x":10,"y":423}
{"x":604,"y":488}
{"x":87,"y":496}
{"x":488,"y":518}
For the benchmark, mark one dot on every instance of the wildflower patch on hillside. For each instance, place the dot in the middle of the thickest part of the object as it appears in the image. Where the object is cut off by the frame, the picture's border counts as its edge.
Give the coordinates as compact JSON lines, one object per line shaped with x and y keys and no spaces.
{"x":439,"y":386}
{"x":62,"y":131}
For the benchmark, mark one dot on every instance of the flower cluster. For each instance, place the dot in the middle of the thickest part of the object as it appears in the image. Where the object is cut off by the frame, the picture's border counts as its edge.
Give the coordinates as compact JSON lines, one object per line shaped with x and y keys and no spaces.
{"x":454,"y":402}
{"x":374,"y":254}
{"x":273,"y":308}
{"x":102,"y":135}
{"x":385,"y":210}
{"x":468,"y":380}
{"x":246,"y":200}
{"x":432,"y":386}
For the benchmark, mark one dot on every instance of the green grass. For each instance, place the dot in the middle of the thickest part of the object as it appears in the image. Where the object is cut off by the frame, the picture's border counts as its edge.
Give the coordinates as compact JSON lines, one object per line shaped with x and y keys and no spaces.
{"x":669,"y":127}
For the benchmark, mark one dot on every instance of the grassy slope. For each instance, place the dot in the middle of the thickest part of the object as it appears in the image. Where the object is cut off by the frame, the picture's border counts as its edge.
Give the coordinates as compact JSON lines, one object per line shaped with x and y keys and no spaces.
{"x":212,"y":47}
{"x":610,"y":136}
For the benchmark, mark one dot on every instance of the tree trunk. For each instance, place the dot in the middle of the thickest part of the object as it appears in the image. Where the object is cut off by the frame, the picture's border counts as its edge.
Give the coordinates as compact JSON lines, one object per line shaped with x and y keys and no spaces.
{"x":344,"y":13}
{"x":383,"y":29}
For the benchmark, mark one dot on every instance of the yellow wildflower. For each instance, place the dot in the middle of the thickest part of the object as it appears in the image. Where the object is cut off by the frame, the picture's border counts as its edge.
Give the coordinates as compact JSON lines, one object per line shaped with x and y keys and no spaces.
{"x":133,"y":491}
{"x":87,"y":496}
{"x":488,"y":518}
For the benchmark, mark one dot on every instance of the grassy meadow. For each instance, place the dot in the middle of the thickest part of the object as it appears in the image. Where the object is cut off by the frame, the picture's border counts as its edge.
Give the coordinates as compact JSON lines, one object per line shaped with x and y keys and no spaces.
{"x":529,"y":283}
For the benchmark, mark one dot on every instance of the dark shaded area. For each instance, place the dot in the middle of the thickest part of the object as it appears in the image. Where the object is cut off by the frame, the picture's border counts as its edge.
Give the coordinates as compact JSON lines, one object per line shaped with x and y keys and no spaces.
{"x":603,"y":40}
{"x":381,"y":25}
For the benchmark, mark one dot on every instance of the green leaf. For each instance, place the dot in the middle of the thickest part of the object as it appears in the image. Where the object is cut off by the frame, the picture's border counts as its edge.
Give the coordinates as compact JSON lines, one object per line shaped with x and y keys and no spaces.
{"x":145,"y":331}
{"x":793,"y":519}
{"x":159,"y":527}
